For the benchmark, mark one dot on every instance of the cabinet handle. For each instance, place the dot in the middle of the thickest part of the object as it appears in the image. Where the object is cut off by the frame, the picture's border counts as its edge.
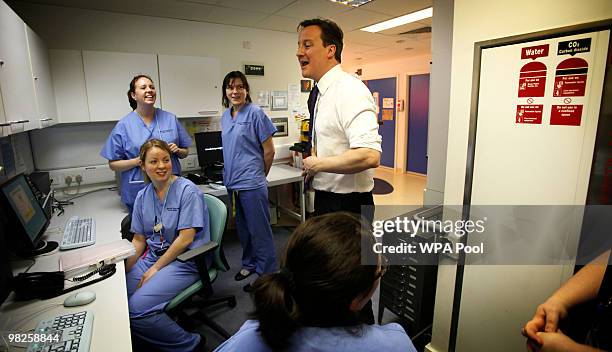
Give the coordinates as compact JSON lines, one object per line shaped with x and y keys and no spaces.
{"x":208,"y":112}
{"x":19,"y":121}
{"x":5,"y":124}
{"x":46,"y":119}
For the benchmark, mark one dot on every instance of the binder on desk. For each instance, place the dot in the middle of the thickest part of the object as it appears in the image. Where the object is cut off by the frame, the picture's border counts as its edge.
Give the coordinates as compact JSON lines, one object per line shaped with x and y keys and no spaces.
{"x":90,"y":258}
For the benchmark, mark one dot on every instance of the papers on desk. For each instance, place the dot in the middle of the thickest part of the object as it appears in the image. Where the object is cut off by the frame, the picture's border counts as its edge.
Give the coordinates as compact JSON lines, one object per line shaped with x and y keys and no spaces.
{"x":86,"y":259}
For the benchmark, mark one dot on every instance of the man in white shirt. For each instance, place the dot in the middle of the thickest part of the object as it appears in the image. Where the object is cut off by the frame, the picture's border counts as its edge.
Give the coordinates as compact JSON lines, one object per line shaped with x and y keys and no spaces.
{"x":346,"y":146}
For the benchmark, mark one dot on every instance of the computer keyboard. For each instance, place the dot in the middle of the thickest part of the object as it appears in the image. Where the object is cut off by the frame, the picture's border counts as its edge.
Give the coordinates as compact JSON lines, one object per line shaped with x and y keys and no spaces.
{"x":78,"y":232}
{"x":68,"y":332}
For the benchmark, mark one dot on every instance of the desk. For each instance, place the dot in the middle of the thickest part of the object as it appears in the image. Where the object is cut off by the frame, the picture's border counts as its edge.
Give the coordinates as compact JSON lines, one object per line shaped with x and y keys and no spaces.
{"x":111,"y":326}
{"x":280,"y":174}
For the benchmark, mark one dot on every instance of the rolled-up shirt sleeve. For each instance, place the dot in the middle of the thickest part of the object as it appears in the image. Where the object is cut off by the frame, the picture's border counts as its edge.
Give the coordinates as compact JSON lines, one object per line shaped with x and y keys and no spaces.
{"x":358,"y":115}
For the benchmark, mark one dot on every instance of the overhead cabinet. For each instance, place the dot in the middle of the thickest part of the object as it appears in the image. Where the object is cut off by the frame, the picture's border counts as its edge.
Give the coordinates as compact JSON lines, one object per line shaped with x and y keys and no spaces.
{"x":107,"y":78}
{"x":16,"y":83}
{"x":69,"y":85}
{"x":43,"y":86}
{"x":190,"y":85}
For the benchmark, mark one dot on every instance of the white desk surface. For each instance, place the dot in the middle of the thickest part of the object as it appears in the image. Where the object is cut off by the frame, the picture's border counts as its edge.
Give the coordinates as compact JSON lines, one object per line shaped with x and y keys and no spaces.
{"x":279,"y":174}
{"x":111,"y":325}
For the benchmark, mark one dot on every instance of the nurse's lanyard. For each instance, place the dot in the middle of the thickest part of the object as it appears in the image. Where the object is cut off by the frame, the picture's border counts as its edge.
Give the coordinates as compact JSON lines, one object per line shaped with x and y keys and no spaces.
{"x":158,"y":228}
{"x":136,"y":172}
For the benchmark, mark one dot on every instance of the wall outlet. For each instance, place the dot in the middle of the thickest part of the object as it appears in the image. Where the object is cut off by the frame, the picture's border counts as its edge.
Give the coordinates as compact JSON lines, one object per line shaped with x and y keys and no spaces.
{"x":87,"y":175}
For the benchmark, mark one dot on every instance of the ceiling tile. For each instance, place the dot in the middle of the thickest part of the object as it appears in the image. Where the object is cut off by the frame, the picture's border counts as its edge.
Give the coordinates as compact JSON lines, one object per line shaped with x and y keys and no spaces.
{"x":279,"y":23}
{"x":265,"y":6}
{"x":358,"y":18}
{"x":404,"y":28}
{"x":305,"y":9}
{"x":366,"y":38}
{"x":235,"y":17}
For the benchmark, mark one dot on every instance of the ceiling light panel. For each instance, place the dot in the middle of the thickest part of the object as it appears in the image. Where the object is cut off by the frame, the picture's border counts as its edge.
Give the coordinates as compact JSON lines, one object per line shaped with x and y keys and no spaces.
{"x":399,"y":21}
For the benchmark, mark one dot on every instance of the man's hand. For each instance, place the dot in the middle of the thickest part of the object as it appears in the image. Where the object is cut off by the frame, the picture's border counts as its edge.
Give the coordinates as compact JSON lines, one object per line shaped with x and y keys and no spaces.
{"x":310,"y":167}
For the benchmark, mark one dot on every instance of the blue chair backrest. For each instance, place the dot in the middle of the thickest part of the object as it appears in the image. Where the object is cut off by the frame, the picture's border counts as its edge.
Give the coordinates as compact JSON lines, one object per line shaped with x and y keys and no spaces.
{"x":217,"y":213}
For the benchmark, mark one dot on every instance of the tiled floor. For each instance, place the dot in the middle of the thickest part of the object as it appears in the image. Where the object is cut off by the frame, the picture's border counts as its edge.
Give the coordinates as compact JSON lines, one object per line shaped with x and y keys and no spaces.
{"x":406,"y":196}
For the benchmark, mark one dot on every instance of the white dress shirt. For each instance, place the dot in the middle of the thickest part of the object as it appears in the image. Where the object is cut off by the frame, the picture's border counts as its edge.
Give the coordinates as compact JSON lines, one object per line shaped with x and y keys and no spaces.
{"x":345,"y":118}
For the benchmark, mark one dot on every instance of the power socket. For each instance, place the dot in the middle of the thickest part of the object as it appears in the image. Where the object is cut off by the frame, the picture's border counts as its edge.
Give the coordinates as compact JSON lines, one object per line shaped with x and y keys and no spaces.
{"x":79,"y":179}
{"x":68,"y":180}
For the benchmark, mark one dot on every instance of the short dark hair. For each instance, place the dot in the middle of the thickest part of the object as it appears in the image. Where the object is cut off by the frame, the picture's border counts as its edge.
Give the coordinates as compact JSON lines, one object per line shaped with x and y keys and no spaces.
{"x":321,"y":274}
{"x":226,"y":81}
{"x":330,"y":33}
{"x":133,"y":103}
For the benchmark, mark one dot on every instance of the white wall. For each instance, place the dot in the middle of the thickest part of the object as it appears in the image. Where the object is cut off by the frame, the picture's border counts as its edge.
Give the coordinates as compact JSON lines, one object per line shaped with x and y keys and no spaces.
{"x":400,"y":69}
{"x":474,"y":21}
{"x":68,"y":28}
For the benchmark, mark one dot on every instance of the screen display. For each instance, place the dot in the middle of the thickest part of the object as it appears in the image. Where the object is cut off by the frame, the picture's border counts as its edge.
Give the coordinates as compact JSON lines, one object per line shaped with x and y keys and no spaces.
{"x":209,"y":147}
{"x":24,"y":204}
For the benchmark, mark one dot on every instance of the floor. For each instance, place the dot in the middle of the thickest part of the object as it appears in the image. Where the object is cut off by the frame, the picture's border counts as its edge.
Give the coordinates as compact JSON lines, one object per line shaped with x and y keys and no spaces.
{"x":407,"y":194}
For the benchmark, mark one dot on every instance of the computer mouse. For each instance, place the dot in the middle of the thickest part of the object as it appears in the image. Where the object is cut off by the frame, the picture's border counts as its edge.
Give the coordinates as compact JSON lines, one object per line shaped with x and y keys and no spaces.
{"x":80,"y":299}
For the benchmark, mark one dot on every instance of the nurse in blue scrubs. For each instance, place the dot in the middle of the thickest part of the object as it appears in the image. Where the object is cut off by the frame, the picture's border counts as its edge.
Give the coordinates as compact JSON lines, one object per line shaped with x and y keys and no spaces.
{"x":169,"y":217}
{"x":144,"y":123}
{"x":248,"y":152}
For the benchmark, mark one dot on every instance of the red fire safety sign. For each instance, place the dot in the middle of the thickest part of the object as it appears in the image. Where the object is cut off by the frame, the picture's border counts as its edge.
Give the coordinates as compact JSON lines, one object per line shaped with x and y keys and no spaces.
{"x":570,"y":78}
{"x":531,"y":114}
{"x":532,"y":80}
{"x":566,"y":115}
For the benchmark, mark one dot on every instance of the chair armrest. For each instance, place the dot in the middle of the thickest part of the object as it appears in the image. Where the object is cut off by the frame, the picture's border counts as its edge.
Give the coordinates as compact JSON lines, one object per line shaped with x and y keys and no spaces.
{"x":192,"y":253}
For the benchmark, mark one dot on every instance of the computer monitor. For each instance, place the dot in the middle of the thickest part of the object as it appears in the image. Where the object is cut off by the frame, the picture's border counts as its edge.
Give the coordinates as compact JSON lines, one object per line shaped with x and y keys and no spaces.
{"x":209,"y":147}
{"x":210,"y":154}
{"x":24,"y":219}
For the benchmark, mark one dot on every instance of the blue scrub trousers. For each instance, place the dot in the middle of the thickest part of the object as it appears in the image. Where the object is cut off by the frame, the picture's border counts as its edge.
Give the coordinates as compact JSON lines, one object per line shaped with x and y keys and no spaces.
{"x":146,"y":304}
{"x":254,"y":231}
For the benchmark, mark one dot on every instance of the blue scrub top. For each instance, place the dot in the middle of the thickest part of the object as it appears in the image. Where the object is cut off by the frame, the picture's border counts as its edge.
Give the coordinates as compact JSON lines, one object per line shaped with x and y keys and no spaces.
{"x":388,"y":338}
{"x":242,"y":151}
{"x":129,"y":134}
{"x":185,"y":208}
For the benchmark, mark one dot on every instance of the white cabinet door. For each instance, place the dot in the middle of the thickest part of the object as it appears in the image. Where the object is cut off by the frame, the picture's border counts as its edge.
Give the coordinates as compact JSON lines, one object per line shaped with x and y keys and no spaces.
{"x":69,"y":85}
{"x":15,"y":74}
{"x":190,"y":85}
{"x":43,"y":87}
{"x":107,"y":78}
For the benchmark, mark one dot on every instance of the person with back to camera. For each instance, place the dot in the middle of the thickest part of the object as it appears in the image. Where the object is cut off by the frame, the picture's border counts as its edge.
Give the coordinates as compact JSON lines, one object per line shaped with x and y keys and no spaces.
{"x":313,"y":302}
{"x":143,"y":123}
{"x":169,"y":217}
{"x":248,"y":151}
{"x":592,"y":282}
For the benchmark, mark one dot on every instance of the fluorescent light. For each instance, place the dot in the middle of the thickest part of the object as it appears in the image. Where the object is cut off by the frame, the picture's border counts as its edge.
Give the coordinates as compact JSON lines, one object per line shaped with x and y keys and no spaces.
{"x":353,"y":3}
{"x":398,"y":21}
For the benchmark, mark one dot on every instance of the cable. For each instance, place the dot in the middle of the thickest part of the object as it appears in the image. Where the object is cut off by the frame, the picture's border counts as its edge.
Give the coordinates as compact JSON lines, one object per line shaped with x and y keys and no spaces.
{"x":113,"y":188}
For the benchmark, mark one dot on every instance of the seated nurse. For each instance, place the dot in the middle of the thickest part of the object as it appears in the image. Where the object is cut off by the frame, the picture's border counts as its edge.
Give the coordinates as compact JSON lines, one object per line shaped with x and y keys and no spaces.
{"x":313,"y":303}
{"x":143,"y":123}
{"x":169,"y":217}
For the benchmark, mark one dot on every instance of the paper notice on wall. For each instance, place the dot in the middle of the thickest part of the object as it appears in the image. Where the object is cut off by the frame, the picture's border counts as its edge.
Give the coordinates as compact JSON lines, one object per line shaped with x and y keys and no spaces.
{"x":387,"y":114}
{"x":293,"y":95}
{"x":388,"y":103}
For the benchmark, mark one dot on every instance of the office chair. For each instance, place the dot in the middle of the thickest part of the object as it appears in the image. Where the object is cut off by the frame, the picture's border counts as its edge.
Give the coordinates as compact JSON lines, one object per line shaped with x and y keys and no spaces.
{"x":176,"y":307}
